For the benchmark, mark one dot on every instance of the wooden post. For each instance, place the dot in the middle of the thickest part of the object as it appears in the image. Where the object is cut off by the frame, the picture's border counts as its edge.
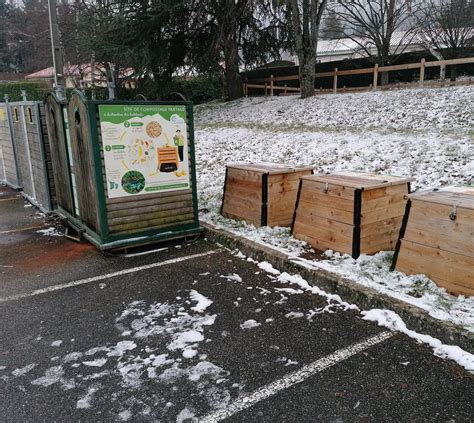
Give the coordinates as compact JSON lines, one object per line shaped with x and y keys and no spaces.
{"x":334,"y":83}
{"x":422,"y":72}
{"x":376,"y":76}
{"x":271,"y":85}
{"x":442,"y":72}
{"x":286,"y":89}
{"x":266,"y":88}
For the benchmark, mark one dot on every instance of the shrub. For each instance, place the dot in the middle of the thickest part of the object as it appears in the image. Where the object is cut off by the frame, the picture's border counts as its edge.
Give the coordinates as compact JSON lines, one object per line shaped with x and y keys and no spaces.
{"x":35,"y":90}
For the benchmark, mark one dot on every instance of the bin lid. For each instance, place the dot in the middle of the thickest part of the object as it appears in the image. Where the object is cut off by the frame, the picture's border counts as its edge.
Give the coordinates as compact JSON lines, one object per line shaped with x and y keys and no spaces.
{"x":270,"y":168}
{"x":359,"y":180}
{"x":462,"y":196}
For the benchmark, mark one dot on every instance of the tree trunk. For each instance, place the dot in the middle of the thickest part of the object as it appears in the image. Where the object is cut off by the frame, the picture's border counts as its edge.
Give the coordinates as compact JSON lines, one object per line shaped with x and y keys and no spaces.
{"x":384,"y":78}
{"x":307,"y":72}
{"x":232,"y":80}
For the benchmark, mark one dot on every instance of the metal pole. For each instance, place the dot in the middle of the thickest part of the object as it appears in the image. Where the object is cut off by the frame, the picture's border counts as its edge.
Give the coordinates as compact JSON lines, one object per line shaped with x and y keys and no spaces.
{"x":58,"y":65}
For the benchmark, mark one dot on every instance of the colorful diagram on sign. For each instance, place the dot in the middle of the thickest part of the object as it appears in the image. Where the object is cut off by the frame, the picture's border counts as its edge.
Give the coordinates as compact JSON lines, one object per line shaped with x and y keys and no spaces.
{"x":145,"y":148}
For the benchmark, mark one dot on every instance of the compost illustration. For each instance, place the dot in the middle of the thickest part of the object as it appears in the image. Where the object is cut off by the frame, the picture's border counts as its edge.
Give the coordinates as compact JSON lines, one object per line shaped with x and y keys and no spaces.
{"x":145,"y":148}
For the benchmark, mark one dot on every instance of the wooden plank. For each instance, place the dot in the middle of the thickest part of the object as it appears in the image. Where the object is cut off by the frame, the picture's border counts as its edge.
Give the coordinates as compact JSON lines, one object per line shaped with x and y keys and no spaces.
{"x":375,"y":228}
{"x":244,"y":173}
{"x":317,"y":199}
{"x":320,"y":239}
{"x":382,"y":202}
{"x":394,"y":210}
{"x":340,"y":191}
{"x":149,"y":216}
{"x":400,"y":189}
{"x":362,"y":181}
{"x":140,"y":210}
{"x":326,"y":212}
{"x":237,"y":209}
{"x":242,"y":199}
{"x":441,"y":212}
{"x":146,"y":197}
{"x":461,"y":61}
{"x":438,"y":265}
{"x":269,"y":168}
{"x":233,"y":211}
{"x":152,"y":224}
{"x":399,"y":67}
{"x":338,"y":228}
{"x":446,"y":226}
{"x":355,"y":71}
{"x":247,"y":195}
{"x":130,"y":205}
{"x":421,"y":232}
{"x":374,"y":247}
{"x":385,"y":240}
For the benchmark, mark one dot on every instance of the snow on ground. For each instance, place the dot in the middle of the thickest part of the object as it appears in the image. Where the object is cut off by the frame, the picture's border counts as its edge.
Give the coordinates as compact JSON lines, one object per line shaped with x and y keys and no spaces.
{"x":442,"y":108}
{"x":386,"y":318}
{"x":422,"y":133}
{"x":51,"y":231}
{"x":181,"y":329}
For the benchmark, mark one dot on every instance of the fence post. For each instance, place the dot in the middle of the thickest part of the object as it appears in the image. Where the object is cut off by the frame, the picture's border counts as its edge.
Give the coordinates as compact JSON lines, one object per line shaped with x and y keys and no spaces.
{"x":271,"y":85}
{"x":266,"y":88}
{"x":24,"y":97}
{"x":334,"y":83}
{"x":422,"y":72}
{"x":376,"y":76}
{"x":286,"y":89}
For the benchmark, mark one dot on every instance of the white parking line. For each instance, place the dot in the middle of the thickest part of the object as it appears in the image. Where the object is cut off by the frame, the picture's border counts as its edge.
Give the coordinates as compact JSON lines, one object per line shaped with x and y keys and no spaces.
{"x":291,"y":379}
{"x":25,"y":228}
{"x":107,"y":276}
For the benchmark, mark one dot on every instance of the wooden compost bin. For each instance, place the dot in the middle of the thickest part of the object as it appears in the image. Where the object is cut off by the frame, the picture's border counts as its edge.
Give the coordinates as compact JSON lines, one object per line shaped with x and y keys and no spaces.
{"x":262,"y":194}
{"x":33,"y":153}
{"x":117,"y":195}
{"x":9,"y":170}
{"x":59,"y":152}
{"x":437,"y":238}
{"x":350,"y":212}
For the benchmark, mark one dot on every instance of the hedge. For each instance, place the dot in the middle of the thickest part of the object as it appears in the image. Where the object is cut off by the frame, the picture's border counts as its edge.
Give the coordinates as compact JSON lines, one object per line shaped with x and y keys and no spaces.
{"x":198,"y":90}
{"x":35,"y":90}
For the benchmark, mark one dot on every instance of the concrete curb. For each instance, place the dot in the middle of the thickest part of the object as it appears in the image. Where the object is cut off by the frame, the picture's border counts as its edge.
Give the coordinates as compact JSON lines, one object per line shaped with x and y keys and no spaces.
{"x":364,"y":297}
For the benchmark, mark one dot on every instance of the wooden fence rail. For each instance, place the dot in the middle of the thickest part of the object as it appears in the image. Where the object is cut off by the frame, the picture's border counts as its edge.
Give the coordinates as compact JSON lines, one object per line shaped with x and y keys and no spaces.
{"x":268,"y":84}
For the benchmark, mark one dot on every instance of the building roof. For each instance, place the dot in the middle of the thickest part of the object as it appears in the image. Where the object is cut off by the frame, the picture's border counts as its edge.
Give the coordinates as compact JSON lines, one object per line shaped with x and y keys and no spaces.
{"x":349,"y":45}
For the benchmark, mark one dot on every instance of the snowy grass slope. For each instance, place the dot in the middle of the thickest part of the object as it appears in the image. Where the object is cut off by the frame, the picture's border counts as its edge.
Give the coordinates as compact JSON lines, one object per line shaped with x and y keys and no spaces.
{"x":423,"y":133}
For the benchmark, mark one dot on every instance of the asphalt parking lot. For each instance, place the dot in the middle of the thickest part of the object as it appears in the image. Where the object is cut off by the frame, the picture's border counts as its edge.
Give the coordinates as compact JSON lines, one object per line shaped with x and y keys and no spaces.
{"x":194,"y":332}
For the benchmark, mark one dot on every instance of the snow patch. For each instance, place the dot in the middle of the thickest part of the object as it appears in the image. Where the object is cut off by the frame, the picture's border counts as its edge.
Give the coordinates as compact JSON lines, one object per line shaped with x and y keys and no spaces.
{"x":51,"y":231}
{"x":99,"y":362}
{"x":24,"y":370}
{"x":249,"y":324}
{"x":393,"y":321}
{"x":233,"y":277}
{"x":202,"y":301}
{"x":267,"y":267}
{"x":51,"y":376}
{"x":85,"y":401}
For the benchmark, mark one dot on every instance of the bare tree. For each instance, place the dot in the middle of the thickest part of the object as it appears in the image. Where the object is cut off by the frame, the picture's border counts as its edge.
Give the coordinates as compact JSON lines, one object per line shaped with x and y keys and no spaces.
{"x":447,"y":28}
{"x":381,"y":29}
{"x":306,"y":19}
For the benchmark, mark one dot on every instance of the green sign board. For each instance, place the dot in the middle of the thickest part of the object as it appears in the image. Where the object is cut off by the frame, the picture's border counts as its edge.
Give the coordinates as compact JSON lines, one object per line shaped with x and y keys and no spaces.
{"x":145,"y":148}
